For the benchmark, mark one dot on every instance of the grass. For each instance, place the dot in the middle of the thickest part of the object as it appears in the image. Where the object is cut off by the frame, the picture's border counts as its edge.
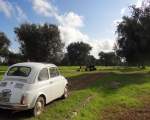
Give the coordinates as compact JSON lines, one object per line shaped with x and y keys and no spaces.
{"x":2,"y":71}
{"x":119,"y":88}
{"x":126,"y":94}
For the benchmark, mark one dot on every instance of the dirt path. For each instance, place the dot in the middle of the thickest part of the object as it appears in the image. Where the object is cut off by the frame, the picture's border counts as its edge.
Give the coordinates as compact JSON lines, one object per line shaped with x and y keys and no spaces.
{"x":119,"y":113}
{"x":84,"y":81}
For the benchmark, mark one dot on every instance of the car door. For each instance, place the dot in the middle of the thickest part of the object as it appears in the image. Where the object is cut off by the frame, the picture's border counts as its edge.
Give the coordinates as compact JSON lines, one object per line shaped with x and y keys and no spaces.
{"x":58,"y":88}
{"x":45,"y":84}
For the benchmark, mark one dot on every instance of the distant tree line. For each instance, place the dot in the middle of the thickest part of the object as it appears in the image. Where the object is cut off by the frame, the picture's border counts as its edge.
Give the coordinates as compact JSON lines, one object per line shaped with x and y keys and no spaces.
{"x":79,"y":54}
{"x":42,"y":43}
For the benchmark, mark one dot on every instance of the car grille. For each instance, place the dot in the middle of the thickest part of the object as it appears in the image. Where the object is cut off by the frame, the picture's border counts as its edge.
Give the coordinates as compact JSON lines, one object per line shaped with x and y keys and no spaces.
{"x":5,"y":95}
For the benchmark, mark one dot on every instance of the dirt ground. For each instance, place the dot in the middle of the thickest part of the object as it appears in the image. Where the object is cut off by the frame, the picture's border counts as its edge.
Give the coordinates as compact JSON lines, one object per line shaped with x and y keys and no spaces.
{"x":117,"y":113}
{"x":84,"y":81}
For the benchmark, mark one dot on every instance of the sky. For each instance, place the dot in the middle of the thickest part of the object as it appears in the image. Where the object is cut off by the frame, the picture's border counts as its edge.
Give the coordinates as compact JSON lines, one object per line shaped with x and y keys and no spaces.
{"x":91,"y":21}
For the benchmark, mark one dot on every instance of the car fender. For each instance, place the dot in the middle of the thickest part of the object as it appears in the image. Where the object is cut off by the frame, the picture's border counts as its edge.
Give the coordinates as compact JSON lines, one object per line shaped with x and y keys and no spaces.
{"x":65,"y":80}
{"x":35,"y":99}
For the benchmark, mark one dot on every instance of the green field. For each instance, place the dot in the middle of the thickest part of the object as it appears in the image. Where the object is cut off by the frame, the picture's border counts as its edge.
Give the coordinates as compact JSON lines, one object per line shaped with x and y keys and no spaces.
{"x":114,"y":93}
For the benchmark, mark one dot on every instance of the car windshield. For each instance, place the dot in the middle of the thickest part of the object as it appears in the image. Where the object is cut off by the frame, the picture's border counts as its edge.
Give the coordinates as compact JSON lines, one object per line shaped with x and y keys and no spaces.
{"x":19,"y":71}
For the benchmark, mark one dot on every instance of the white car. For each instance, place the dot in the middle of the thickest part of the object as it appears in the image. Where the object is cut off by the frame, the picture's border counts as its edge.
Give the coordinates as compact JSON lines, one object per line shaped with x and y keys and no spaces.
{"x":31,"y":85}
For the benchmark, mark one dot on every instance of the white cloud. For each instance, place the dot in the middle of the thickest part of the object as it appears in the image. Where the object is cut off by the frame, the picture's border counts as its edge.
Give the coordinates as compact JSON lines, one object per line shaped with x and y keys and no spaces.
{"x":69,"y":25}
{"x":139,"y":3}
{"x":142,"y":3}
{"x":116,"y":22}
{"x":71,"y":19}
{"x":69,"y":34}
{"x":99,"y":45}
{"x":123,"y":11}
{"x":44,"y":7}
{"x":12,"y":10}
{"x":20,"y":15}
{"x":6,"y":8}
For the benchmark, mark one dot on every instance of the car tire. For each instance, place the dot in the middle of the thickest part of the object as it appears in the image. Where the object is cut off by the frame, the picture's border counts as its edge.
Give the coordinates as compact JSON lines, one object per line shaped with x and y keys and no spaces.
{"x":39,"y":106}
{"x":66,"y":93}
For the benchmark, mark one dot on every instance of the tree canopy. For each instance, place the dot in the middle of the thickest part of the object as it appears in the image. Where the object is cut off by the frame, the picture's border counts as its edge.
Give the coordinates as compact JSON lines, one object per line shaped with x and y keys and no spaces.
{"x":78,"y":53}
{"x":109,"y":59}
{"x":40,"y":43}
{"x":134,"y":37}
{"x":4,"y":44}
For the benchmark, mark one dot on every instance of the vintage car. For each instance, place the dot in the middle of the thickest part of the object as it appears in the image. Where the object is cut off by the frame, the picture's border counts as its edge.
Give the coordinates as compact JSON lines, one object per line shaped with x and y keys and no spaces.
{"x":31,"y":86}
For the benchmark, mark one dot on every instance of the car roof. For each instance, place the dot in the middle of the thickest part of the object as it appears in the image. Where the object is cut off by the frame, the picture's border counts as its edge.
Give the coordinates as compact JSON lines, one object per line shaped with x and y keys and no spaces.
{"x":34,"y":65}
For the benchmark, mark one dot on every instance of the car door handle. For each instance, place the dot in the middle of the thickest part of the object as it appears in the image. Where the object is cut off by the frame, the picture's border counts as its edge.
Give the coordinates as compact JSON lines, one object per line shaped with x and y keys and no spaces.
{"x":51,"y":82}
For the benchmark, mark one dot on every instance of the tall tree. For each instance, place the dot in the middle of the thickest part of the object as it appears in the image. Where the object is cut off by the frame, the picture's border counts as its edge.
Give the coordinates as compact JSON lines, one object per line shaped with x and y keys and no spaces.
{"x":4,"y":44}
{"x":109,"y":59}
{"x":78,"y":53}
{"x":91,"y":60}
{"x":134,"y":37}
{"x":14,"y":58}
{"x":65,"y":61}
{"x":40,"y":43}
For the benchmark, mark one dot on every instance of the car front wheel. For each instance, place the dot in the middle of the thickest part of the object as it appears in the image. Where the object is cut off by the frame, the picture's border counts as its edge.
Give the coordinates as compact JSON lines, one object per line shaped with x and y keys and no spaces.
{"x":39,"y":106}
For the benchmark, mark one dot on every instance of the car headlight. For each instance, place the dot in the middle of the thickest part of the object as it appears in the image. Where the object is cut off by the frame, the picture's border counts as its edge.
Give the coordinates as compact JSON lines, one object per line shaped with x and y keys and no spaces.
{"x":19,"y":85}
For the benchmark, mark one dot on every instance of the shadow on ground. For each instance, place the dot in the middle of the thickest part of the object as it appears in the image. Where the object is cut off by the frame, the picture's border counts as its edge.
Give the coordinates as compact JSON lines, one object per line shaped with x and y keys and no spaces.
{"x":11,"y":115}
{"x":27,"y":114}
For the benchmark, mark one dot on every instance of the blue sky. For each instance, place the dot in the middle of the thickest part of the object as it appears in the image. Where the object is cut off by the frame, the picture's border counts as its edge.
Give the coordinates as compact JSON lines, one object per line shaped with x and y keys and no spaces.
{"x":91,"y":21}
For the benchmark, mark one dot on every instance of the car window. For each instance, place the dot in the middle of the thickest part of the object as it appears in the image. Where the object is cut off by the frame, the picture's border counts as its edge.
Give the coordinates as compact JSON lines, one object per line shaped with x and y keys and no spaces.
{"x":53,"y":72}
{"x":19,"y":71}
{"x":43,"y":75}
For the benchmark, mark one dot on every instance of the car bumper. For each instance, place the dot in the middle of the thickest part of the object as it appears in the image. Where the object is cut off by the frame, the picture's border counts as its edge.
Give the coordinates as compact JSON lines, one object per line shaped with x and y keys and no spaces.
{"x":13,"y":106}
